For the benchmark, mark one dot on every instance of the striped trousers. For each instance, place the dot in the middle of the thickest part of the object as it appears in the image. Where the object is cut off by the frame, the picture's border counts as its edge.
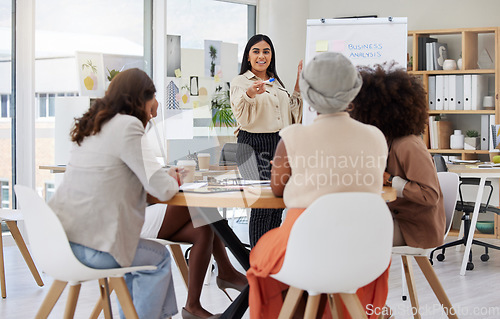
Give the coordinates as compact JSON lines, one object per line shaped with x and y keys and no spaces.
{"x":254,"y":155}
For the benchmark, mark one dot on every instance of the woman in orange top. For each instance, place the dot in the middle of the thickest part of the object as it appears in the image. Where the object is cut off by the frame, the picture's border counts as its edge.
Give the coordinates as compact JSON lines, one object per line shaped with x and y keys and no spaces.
{"x":334,"y":154}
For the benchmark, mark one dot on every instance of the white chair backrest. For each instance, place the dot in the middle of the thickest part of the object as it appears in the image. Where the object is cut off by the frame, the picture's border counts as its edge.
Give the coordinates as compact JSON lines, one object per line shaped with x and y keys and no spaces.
{"x":341,"y":242}
{"x":48,"y":241}
{"x":449,"y":187}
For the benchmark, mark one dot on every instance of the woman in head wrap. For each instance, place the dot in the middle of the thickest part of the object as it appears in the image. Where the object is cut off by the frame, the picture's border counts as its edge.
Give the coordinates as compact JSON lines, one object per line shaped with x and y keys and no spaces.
{"x":309,"y":163}
{"x":261,"y":108}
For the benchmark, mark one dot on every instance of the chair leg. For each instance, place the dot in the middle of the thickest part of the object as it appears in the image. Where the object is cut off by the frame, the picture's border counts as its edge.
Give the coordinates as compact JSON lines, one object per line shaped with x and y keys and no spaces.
{"x":105,"y":292}
{"x":2,"y":270}
{"x":50,"y":300}
{"x":410,"y":281}
{"x":124,"y":297}
{"x":354,"y":306}
{"x":180,"y":262}
{"x":336,"y":306}
{"x":291,"y":302}
{"x":404,"y":286}
{"x":74,"y":292}
{"x":436,"y":286}
{"x":16,"y":234}
{"x":100,"y":302}
{"x":312,"y":306}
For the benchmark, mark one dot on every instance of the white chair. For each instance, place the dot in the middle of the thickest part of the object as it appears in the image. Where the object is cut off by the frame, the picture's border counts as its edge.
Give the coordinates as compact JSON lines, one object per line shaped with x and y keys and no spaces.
{"x":340,"y":243}
{"x":53,"y":254}
{"x":449,"y":187}
{"x":11,"y":217}
{"x":180,"y":261}
{"x":176,"y":250}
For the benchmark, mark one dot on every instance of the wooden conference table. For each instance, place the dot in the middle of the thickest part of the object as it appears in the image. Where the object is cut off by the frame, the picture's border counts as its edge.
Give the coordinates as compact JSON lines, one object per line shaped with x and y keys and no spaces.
{"x":482,"y":174}
{"x":250,"y":197}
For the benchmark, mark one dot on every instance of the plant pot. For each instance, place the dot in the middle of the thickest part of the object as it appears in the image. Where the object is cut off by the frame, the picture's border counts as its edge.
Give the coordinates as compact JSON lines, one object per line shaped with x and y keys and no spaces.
{"x":472,"y":143}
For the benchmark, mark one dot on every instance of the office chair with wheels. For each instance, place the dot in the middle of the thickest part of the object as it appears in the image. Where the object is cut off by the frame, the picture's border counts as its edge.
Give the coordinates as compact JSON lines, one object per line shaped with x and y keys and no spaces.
{"x":228,"y":154}
{"x":334,"y":220}
{"x":53,"y":254}
{"x":467,"y":209}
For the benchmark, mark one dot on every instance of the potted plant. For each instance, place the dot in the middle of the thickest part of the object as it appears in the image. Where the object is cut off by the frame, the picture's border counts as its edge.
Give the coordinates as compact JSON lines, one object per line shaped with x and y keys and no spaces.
{"x":213,"y":56}
{"x":111,"y":74}
{"x":471,"y":140}
{"x":222,"y":114}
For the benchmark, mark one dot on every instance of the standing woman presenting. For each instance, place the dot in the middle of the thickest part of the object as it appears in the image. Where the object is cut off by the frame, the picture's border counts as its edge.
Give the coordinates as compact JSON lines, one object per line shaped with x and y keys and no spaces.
{"x":262,"y":107}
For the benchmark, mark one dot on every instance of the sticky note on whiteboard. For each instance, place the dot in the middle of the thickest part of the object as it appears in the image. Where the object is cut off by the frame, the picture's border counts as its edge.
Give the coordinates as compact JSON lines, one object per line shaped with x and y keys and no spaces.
{"x":321,"y":46}
{"x":178,"y":73}
{"x":338,"y":45}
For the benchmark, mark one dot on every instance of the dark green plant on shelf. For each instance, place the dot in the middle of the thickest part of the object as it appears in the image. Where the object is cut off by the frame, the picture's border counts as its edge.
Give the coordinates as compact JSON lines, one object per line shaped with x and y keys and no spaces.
{"x":472,"y":133}
{"x":222,"y":115}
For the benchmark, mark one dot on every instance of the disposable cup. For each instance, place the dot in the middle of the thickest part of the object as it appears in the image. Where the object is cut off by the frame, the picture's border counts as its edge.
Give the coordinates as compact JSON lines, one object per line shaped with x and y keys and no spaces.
{"x":203,"y":161}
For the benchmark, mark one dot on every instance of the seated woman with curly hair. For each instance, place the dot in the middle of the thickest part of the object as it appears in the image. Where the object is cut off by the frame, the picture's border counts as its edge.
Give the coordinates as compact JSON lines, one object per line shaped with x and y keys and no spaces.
{"x":395,"y":102}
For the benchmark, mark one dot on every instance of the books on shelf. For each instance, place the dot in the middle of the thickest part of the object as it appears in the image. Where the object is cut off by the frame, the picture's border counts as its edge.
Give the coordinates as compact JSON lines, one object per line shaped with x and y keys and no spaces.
{"x":423,"y":52}
{"x":495,"y":132}
{"x":439,"y":133}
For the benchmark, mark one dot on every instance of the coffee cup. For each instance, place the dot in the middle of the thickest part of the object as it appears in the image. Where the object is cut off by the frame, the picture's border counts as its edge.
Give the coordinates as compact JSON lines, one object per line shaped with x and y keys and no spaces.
{"x":204,"y":161}
{"x":189,"y":167}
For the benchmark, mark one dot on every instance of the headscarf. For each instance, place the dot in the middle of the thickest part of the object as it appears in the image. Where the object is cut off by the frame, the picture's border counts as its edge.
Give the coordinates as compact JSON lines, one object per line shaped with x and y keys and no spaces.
{"x":329,"y":82}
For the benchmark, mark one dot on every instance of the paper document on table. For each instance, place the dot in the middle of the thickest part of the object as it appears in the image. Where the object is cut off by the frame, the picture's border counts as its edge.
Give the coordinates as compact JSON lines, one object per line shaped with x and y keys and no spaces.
{"x":253,"y":182}
{"x":212,"y":189}
{"x":191,"y":186}
{"x":488,"y":165}
{"x":457,"y":161}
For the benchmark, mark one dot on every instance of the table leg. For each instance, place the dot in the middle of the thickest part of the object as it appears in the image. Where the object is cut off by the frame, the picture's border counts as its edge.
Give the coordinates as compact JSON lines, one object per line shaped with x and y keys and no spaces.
{"x":475,"y":215}
{"x":229,"y":238}
{"x":238,"y":306}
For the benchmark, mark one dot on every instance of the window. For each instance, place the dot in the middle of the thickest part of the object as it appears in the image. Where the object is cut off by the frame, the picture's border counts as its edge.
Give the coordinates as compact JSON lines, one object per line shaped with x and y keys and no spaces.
{"x":46,"y":102}
{"x":4,"y":193}
{"x":62,"y":28}
{"x":5,"y":105}
{"x":49,"y":190}
{"x":212,"y":33}
{"x":6,"y":101}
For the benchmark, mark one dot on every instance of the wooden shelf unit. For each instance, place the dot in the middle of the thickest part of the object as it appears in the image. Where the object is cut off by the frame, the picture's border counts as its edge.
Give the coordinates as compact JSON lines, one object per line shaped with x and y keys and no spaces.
{"x":470,"y":55}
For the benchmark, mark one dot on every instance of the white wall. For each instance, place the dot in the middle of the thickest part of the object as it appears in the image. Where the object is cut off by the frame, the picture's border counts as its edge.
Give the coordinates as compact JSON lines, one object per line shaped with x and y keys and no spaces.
{"x":285,"y":20}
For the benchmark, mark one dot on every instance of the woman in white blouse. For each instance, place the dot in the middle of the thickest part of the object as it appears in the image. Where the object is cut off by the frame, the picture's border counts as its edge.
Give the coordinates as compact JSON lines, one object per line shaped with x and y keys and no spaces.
{"x":102,"y":199}
{"x":262,"y":107}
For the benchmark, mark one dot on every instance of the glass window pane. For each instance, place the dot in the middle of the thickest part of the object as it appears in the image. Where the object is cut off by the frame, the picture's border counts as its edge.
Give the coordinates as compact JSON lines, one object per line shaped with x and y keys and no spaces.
{"x":6,"y":92}
{"x":63,"y":28}
{"x":5,"y":105}
{"x":213,"y":35}
{"x":42,"y":105}
{"x":52,"y":104}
